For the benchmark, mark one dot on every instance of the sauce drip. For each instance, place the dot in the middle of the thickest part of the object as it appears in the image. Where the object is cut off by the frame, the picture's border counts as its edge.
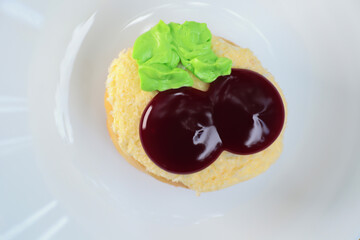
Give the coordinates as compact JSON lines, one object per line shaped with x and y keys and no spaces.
{"x":185,"y":130}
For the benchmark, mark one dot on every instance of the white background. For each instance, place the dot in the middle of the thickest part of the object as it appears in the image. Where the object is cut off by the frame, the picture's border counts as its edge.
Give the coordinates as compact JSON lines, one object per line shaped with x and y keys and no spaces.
{"x":61,"y":177}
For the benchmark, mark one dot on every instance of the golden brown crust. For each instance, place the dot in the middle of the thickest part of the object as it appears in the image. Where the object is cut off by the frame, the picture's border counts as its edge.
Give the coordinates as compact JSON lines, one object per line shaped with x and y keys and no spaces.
{"x":230,"y":42}
{"x":128,"y":158}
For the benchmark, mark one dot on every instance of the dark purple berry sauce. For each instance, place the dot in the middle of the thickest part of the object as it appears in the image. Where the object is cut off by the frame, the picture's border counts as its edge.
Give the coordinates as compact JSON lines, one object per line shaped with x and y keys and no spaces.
{"x":184,"y":130}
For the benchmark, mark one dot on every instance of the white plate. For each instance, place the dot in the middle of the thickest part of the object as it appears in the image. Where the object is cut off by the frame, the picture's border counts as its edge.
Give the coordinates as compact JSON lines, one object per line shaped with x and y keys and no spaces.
{"x":61,"y":177}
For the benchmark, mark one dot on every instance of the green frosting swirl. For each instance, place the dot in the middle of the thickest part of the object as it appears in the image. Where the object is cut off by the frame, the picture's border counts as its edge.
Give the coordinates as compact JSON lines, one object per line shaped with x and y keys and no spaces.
{"x":160,"y":50}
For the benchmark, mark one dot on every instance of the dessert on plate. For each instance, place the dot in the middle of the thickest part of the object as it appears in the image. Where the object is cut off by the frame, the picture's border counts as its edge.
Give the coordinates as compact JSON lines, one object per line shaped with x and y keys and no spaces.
{"x":192,"y":109}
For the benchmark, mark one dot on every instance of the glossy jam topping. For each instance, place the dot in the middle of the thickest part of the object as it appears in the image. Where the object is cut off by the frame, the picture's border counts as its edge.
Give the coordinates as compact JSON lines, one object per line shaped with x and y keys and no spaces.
{"x":184,"y":130}
{"x":248,"y":111}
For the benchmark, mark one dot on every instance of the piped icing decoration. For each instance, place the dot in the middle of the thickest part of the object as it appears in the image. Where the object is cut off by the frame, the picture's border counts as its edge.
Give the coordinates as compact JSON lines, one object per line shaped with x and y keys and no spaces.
{"x":185,"y":130}
{"x":166,"y":50}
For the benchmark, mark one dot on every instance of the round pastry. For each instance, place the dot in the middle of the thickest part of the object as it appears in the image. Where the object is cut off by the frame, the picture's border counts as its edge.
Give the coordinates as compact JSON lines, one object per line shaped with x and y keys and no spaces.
{"x":125,"y":102}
